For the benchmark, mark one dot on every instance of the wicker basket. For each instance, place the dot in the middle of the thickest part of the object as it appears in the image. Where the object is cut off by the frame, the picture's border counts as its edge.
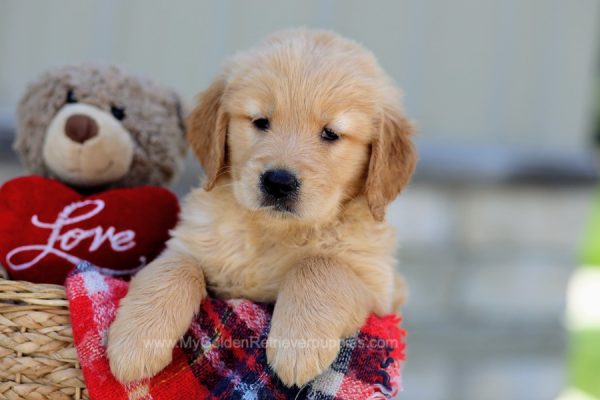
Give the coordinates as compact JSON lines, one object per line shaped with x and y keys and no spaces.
{"x":38,"y":360}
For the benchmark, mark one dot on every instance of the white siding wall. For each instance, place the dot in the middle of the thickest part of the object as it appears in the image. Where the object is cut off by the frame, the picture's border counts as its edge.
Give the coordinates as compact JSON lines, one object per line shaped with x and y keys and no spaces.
{"x":506,"y":72}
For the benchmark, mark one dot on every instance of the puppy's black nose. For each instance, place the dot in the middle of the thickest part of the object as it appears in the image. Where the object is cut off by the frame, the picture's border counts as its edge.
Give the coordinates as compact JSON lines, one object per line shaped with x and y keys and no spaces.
{"x":279,"y":183}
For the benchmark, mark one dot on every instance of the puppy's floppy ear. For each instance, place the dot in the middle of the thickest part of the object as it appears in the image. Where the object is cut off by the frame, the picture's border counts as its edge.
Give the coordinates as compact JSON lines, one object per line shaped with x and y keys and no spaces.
{"x":392,"y":163}
{"x":207,"y":131}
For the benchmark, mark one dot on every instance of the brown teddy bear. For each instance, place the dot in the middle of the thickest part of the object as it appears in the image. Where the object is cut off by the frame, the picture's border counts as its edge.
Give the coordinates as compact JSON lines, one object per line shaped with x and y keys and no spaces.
{"x":101,"y":143}
{"x":92,"y":126}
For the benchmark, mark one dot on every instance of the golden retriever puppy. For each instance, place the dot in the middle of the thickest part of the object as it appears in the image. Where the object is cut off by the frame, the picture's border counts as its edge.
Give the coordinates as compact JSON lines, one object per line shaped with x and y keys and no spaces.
{"x":304,"y":143}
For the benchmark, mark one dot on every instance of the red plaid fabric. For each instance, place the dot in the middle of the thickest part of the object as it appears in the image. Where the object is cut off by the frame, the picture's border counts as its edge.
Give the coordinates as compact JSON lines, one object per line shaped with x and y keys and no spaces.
{"x":222,"y":355}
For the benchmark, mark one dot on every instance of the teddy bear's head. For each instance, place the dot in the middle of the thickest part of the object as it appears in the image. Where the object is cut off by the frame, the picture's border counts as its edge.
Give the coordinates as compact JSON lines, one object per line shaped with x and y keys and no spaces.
{"x":95,"y":126}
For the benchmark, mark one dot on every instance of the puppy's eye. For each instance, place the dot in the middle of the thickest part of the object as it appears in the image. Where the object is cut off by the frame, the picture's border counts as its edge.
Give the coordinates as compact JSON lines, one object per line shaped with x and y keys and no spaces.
{"x":71,"y":97}
{"x":118,"y":112}
{"x":329,"y":135}
{"x":261,"y":124}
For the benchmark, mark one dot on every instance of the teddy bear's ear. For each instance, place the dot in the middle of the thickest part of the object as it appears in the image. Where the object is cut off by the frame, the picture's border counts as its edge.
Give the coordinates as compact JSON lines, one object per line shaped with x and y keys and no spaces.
{"x":206,"y":132}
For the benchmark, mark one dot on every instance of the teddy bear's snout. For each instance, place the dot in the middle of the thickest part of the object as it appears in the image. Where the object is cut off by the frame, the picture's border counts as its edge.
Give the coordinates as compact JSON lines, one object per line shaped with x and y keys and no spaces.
{"x":81,"y":128}
{"x":86,"y":146}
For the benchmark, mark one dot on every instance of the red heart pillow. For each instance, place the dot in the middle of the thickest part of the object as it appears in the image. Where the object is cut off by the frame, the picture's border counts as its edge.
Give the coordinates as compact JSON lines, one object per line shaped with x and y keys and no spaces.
{"x":47,"y":228}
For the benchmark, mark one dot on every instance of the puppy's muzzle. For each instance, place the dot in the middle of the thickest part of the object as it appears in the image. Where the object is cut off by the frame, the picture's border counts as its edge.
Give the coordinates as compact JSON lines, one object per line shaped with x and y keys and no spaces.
{"x":280,"y":188}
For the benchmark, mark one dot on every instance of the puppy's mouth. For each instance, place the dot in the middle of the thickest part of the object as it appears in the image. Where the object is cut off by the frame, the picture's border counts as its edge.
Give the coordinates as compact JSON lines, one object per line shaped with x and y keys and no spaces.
{"x":279,"y":206}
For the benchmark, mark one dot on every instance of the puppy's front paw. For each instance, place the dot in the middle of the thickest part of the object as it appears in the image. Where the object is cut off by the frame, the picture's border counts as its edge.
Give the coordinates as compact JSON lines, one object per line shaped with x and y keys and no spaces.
{"x":299,"y":360}
{"x":136,"y":350}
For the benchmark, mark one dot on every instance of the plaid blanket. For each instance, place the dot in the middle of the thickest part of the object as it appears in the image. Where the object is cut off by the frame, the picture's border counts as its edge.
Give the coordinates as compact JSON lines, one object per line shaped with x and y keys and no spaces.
{"x":222,"y":355}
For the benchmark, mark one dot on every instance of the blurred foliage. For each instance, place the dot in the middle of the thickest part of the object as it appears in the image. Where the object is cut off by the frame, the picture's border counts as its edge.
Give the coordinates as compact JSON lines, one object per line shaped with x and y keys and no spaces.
{"x":585,"y":361}
{"x":591,"y":245}
{"x":585,"y":344}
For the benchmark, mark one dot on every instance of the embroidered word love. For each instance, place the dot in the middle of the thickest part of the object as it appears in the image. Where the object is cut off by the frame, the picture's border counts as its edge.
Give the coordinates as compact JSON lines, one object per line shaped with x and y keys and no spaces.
{"x":61,"y":241}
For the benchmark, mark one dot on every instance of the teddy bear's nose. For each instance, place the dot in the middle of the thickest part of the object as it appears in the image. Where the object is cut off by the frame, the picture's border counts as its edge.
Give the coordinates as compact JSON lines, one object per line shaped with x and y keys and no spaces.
{"x":80,"y":128}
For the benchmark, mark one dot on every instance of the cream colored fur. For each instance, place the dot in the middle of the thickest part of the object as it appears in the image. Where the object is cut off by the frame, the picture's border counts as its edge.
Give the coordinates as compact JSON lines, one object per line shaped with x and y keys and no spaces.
{"x":327,"y":264}
{"x":102,"y":159}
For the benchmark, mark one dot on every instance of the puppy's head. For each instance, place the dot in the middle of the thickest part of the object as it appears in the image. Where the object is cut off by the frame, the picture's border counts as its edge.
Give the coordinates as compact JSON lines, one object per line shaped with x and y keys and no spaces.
{"x":302,"y":123}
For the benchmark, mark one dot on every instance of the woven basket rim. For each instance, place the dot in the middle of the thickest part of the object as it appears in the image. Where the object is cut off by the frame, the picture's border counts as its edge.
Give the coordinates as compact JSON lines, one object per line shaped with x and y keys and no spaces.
{"x":37,"y":353}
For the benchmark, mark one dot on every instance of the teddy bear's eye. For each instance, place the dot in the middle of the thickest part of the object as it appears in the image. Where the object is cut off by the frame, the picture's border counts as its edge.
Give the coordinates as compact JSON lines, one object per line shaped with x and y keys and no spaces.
{"x":71,"y":96}
{"x":118,"y":112}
